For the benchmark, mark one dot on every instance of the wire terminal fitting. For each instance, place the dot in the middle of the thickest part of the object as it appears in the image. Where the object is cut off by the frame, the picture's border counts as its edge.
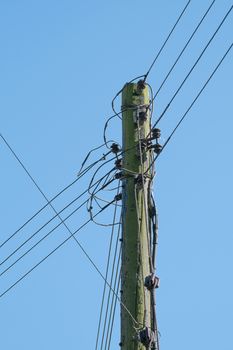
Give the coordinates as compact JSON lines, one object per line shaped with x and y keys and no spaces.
{"x":147,"y":337}
{"x":151,"y":282}
{"x":118,"y":197}
{"x":119,"y":175}
{"x":115,"y":148}
{"x":118,"y":163}
{"x":157,"y":148}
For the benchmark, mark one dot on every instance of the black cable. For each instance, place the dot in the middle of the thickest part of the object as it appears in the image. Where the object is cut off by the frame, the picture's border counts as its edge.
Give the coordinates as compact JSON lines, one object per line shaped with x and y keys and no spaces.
{"x":34,"y":215}
{"x":113,"y":302}
{"x":36,"y":232}
{"x":93,"y":150}
{"x":118,"y":93}
{"x":92,"y":262}
{"x":41,"y":240}
{"x":198,"y":59}
{"x":117,"y":114}
{"x":106,"y":125}
{"x":94,"y":197}
{"x":111,"y":282}
{"x":184,"y":48}
{"x":194,"y":101}
{"x":51,"y":200}
{"x":48,"y":255}
{"x":165,"y":42}
{"x":106,"y":277}
{"x":98,"y":169}
{"x":154,"y":230}
{"x":114,"y":310}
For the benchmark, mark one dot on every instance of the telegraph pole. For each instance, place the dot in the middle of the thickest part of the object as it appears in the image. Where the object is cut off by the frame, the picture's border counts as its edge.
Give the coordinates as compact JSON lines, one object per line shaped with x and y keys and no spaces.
{"x":138,"y":324}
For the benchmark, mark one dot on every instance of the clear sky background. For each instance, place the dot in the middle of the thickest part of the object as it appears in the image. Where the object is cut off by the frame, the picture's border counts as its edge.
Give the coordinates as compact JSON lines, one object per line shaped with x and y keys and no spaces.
{"x":61,"y":63}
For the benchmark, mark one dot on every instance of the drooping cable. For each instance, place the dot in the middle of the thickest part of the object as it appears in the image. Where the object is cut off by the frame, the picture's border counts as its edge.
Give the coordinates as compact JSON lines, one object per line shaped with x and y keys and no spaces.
{"x":38,"y":242}
{"x":44,"y":225}
{"x":81,"y":174}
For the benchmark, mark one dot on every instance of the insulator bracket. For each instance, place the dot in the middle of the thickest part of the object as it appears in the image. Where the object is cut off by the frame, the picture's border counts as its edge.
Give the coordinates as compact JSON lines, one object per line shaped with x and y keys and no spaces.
{"x":147,"y":337}
{"x":115,"y":148}
{"x":151,"y":282}
{"x":118,"y":163}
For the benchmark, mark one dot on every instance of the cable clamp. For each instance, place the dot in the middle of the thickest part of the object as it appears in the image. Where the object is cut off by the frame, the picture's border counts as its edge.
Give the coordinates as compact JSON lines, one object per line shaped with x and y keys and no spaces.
{"x":140,"y":114}
{"x":118,"y":163}
{"x":155,"y":133}
{"x":119,"y":175}
{"x":115,"y":148}
{"x":147,"y":337}
{"x":139,"y":179}
{"x":118,"y":197}
{"x":141,"y":84}
{"x":156,"y":147}
{"x":151,"y":282}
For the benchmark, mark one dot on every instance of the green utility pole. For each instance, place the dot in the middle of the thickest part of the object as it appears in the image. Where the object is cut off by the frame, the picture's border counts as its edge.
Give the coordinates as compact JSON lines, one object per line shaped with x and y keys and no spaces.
{"x":137,"y":304}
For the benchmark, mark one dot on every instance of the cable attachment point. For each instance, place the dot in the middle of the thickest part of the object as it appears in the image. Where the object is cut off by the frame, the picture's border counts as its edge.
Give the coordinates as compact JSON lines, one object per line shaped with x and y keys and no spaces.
{"x":155,"y":133}
{"x":157,"y":148}
{"x":119,"y":176}
{"x":151,"y":282}
{"x":143,"y":144}
{"x":115,"y":148}
{"x":141,"y":84}
{"x":140,"y":114}
{"x":118,"y":163}
{"x":147,"y":337}
{"x":118,"y":197}
{"x":139,"y":179}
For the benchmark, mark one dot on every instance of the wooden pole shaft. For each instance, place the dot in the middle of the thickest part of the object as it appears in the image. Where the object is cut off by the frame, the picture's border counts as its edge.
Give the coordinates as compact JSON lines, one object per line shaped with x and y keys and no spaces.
{"x":135,"y":226}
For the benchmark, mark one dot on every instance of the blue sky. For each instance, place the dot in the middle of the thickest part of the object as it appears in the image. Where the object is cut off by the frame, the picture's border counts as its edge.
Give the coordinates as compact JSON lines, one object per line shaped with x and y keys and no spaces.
{"x":61,"y":63}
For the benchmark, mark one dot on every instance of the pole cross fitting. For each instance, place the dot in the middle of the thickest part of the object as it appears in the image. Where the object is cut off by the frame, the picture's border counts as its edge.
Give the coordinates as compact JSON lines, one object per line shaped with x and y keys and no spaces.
{"x":147,"y":337}
{"x":151,"y":282}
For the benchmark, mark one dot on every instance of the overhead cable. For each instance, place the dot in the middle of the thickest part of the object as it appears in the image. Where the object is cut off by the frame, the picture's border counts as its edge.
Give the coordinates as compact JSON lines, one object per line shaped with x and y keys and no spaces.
{"x":183,"y":50}
{"x":192,"y":104}
{"x":43,"y":226}
{"x":195,"y":64}
{"x":95,"y":266}
{"x":78,"y":197}
{"x":81,"y":174}
{"x":106,"y":274}
{"x":165,"y":42}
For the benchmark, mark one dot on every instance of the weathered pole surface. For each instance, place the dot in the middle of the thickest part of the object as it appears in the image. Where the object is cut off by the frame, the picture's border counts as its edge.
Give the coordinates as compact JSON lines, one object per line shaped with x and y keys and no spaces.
{"x":136,"y":264}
